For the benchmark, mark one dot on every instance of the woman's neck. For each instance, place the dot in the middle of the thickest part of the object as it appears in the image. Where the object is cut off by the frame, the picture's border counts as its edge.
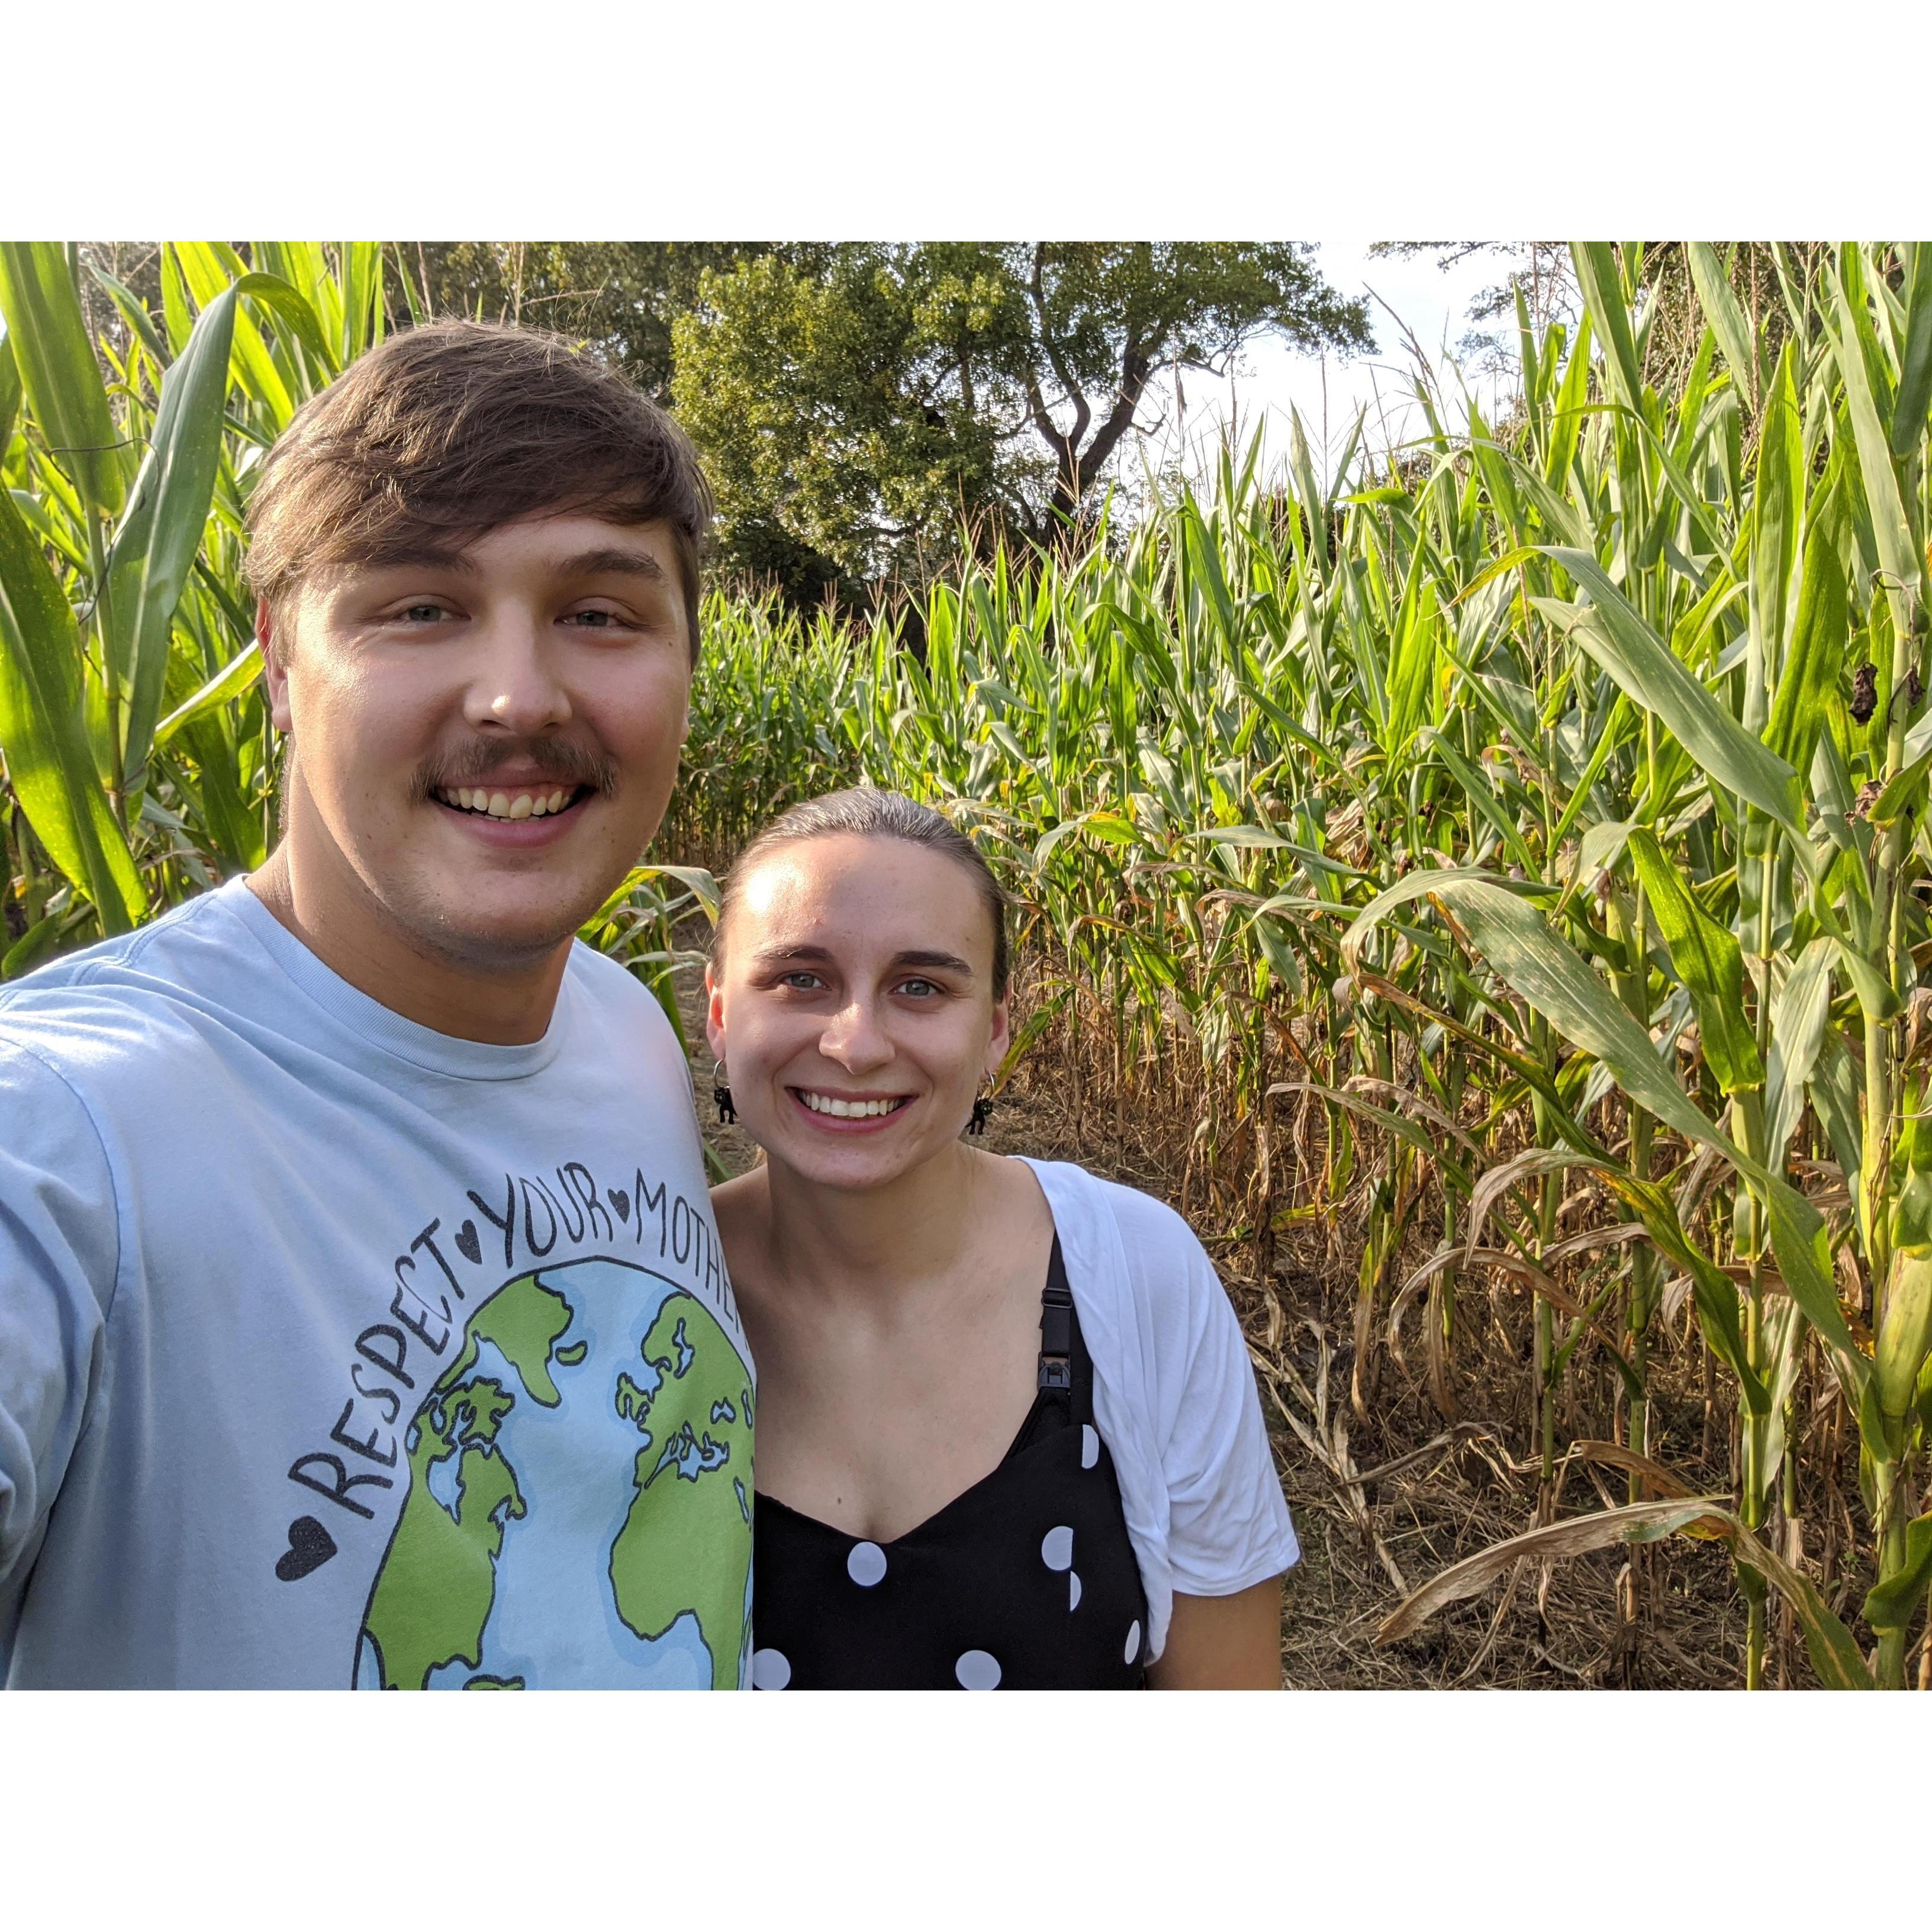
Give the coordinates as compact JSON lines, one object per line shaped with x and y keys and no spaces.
{"x":863,"y":1245}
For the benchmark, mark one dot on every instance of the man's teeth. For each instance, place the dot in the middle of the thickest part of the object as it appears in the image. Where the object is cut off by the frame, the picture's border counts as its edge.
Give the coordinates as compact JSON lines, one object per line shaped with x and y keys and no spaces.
{"x":506,"y":804}
{"x":849,"y":1110}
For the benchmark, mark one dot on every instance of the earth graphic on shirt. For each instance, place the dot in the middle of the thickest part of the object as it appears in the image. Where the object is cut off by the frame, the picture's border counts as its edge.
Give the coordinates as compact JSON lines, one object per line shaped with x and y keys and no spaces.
{"x":578,"y":1510}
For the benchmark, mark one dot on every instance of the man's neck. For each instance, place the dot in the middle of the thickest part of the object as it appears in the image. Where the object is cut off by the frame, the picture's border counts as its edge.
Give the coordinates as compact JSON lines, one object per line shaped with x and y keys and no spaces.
{"x":508,"y":1005}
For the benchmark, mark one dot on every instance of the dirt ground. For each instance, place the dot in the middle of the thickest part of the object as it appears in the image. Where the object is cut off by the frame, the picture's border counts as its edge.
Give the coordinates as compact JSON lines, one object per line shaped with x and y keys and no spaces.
{"x":1383,"y":1502}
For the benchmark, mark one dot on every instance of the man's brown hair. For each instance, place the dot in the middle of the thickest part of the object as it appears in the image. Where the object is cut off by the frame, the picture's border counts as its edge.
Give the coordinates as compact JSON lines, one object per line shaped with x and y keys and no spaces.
{"x":443,"y":433}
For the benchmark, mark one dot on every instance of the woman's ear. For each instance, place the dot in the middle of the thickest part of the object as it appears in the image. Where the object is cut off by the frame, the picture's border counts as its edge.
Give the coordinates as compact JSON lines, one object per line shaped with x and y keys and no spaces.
{"x":714,"y":1012}
{"x":1002,"y":1037}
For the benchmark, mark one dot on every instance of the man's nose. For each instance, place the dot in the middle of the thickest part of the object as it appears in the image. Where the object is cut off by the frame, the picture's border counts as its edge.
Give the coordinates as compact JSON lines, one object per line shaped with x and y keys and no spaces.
{"x":514,"y":682}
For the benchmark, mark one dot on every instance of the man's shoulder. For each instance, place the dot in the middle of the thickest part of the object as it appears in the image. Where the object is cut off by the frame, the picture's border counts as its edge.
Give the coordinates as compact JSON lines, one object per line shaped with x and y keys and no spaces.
{"x":112,"y":1002}
{"x":151,"y":955}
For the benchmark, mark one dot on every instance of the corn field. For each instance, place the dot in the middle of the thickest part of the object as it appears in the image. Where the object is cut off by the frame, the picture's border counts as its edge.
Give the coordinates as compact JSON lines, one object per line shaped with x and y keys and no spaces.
{"x":1500,"y":860}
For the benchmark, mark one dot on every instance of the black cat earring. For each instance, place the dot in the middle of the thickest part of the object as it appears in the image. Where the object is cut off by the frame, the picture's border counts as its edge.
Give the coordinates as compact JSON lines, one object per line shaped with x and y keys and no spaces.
{"x":720,"y":1092}
{"x":982,"y":1107}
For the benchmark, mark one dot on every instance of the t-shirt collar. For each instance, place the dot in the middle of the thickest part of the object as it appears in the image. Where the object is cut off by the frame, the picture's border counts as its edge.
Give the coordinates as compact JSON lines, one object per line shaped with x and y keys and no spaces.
{"x":379,"y":1025}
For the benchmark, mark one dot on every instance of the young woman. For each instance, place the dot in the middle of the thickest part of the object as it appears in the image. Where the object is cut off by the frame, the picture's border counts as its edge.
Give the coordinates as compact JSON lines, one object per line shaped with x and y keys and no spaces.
{"x":1007,"y":1431}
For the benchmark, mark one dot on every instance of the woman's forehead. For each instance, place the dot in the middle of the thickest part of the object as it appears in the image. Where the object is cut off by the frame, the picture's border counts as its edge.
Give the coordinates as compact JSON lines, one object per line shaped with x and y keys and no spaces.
{"x":859,"y":886}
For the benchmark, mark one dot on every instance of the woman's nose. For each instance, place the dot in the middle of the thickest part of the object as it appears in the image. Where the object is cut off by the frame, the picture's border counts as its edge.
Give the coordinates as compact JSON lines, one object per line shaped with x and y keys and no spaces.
{"x":853,"y":1040}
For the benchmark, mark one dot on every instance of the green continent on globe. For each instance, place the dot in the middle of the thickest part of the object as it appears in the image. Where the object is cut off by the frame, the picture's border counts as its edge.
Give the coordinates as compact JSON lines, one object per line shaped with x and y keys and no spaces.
{"x":433,"y":1592}
{"x":686,"y":1546}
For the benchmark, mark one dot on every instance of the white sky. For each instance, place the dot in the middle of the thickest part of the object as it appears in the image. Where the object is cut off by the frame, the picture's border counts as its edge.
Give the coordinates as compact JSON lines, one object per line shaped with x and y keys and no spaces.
{"x":1272,"y":379}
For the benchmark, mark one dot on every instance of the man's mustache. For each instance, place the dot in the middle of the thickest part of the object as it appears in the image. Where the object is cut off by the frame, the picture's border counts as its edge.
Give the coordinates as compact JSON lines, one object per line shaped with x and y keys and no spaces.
{"x":560,"y":759}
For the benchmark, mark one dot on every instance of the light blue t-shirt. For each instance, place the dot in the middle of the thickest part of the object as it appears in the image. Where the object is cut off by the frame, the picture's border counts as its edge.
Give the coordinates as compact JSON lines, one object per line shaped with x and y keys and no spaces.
{"x":336,"y":1351}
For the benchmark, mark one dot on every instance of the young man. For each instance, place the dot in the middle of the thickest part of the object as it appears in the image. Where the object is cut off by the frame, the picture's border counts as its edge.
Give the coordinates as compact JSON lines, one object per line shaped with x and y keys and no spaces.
{"x":362,"y":1319}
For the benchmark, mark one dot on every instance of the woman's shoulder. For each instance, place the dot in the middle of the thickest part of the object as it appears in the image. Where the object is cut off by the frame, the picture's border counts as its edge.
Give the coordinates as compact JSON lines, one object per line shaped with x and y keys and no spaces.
{"x":1165,"y":1263}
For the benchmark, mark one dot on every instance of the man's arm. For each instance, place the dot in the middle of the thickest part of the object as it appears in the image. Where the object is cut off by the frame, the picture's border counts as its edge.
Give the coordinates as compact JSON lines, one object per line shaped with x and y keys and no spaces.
{"x":1223,"y":1643}
{"x":59,"y":1246}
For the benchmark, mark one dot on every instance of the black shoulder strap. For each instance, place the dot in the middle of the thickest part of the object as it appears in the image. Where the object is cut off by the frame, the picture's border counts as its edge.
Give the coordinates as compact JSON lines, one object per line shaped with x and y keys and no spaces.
{"x":1056,"y":1326}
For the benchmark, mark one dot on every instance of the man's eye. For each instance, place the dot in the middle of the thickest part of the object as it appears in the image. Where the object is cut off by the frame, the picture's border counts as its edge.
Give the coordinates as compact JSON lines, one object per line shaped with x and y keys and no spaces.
{"x":424,"y":614}
{"x":595,"y":620}
{"x":918,"y":989}
{"x":802,"y":982}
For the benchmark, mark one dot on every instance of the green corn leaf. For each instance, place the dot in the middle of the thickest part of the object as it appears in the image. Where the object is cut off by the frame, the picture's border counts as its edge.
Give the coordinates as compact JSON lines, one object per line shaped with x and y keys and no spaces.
{"x":57,"y":370}
{"x":49,"y":760}
{"x":1852,"y":342}
{"x":1724,"y":313}
{"x":10,"y":390}
{"x":1707,"y":958}
{"x":1891,"y":1604}
{"x":1914,"y":398}
{"x":1811,"y":669}
{"x":227,"y":684}
{"x":1513,"y":938}
{"x":1833,"y":1650}
{"x":1650,"y":674}
{"x":1904,"y":1332}
{"x":1597,"y":276}
{"x":155,"y":548}
{"x":1797,"y":1020}
{"x":1777,"y":507}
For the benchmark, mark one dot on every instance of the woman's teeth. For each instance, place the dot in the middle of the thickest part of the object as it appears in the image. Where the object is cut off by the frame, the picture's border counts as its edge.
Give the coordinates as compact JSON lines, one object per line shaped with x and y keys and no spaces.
{"x":851,"y":1110}
{"x":503,"y":804}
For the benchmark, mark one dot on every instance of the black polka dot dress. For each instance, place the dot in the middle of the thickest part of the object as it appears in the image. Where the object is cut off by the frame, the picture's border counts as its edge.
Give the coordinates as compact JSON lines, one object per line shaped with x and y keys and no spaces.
{"x":1025,"y":1582}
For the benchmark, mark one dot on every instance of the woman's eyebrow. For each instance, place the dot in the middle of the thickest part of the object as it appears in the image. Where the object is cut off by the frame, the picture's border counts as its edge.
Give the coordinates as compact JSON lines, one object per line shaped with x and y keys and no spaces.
{"x":941,"y":962}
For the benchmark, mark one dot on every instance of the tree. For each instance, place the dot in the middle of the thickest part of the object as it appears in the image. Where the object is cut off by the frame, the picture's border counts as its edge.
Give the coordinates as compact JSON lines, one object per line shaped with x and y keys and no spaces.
{"x":861,"y":400}
{"x":621,"y":297}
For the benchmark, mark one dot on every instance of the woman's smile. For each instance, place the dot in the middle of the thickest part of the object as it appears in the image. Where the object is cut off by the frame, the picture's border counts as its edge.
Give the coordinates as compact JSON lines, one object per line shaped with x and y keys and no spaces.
{"x":848,"y":1111}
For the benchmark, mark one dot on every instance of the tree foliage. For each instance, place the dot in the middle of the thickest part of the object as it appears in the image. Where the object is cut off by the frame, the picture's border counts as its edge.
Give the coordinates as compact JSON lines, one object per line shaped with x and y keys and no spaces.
{"x":856,"y":401}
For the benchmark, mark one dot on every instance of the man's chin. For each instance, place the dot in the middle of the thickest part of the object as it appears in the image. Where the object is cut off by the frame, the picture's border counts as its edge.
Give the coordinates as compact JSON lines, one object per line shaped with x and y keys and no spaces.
{"x":493,"y":933}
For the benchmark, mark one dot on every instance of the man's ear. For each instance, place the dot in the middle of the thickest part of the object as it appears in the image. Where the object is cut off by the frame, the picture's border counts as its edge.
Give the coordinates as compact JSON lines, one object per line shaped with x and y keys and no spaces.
{"x":274,"y":667}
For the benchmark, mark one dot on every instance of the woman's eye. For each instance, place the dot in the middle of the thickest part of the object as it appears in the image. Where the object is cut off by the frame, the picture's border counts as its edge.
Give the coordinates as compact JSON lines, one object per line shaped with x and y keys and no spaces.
{"x":423,"y":613}
{"x":595,"y":620}
{"x":802,"y":983}
{"x":918,"y":989}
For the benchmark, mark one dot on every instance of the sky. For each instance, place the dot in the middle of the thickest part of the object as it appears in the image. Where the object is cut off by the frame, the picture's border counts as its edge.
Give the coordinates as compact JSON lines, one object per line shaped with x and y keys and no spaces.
{"x":1272,"y":379}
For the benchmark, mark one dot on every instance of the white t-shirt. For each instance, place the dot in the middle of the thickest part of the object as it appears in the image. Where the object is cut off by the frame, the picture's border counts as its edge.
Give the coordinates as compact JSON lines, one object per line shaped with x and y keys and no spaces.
{"x":335,"y":1350}
{"x":1174,"y":1395}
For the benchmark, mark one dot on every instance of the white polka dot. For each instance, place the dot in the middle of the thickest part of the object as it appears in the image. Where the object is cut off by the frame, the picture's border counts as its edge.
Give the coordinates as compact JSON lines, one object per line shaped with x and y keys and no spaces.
{"x":1090,"y":1445}
{"x":1133,"y":1649}
{"x":866,"y":1564}
{"x":771,"y":1670}
{"x":978,"y":1670}
{"x":1072,"y":1590}
{"x":1056,"y":1548}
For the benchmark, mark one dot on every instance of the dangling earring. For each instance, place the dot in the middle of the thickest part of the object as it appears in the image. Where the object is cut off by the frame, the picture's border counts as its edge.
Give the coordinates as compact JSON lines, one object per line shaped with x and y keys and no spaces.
{"x":982,"y":1107}
{"x":720,"y":1092}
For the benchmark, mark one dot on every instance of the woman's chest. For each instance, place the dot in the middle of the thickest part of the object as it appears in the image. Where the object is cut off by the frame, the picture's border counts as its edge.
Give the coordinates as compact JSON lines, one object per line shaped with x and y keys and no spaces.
{"x":877,"y":1441}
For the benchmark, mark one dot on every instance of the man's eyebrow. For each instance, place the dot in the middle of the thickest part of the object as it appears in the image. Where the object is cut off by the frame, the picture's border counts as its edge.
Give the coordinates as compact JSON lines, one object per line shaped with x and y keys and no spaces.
{"x":422,"y":557}
{"x":612,"y":561}
{"x":942,"y":962}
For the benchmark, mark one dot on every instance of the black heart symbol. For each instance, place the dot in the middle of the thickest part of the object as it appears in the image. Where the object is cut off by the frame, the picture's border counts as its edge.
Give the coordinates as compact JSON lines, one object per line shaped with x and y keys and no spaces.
{"x":310,"y":1547}
{"x":465,"y":1240}
{"x":622,"y":1202}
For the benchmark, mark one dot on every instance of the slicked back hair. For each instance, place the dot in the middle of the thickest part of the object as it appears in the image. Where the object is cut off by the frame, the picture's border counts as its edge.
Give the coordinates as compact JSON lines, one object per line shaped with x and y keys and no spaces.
{"x":864,"y":812}
{"x":441,"y":434}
